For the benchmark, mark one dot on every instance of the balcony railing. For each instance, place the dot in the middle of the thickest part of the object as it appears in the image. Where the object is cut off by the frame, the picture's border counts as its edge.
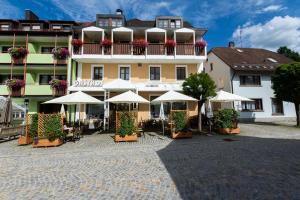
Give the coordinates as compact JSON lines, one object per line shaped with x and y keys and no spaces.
{"x":151,"y":49}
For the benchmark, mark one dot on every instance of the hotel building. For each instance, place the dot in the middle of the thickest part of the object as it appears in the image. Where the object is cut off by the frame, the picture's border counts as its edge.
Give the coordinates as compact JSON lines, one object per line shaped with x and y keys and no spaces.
{"x":150,"y":70}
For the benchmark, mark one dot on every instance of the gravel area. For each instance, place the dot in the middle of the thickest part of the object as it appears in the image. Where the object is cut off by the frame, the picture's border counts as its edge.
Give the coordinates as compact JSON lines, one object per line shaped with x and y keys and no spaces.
{"x":155,"y":167}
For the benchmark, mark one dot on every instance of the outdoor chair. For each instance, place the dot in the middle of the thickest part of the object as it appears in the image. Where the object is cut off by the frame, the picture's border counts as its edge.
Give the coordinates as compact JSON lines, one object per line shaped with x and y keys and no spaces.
{"x":141,"y":129}
{"x":69,"y":133}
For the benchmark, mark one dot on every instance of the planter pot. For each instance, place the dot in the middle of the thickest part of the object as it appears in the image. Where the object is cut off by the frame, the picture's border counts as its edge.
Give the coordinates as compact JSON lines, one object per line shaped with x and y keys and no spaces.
{"x":47,"y":143}
{"x":170,"y":51}
{"x":24,"y":140}
{"x":181,"y":135}
{"x":16,"y":92}
{"x":229,"y":131}
{"x":57,"y":92}
{"x":126,"y":138}
{"x":18,"y":61}
{"x":107,"y":50}
{"x":61,"y":61}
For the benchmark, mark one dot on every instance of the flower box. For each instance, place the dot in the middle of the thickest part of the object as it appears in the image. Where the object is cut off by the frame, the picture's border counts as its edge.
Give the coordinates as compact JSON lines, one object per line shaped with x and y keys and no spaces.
{"x":58,"y":87}
{"x":18,"y":61}
{"x":57,"y":92}
{"x":187,"y":134}
{"x":229,"y":131}
{"x":24,"y":140}
{"x":18,"y":54}
{"x":61,"y":62}
{"x":126,"y":138}
{"x":15,"y":87}
{"x":106,"y":43}
{"x":47,"y":143}
{"x":60,"y":53}
{"x":170,"y":46}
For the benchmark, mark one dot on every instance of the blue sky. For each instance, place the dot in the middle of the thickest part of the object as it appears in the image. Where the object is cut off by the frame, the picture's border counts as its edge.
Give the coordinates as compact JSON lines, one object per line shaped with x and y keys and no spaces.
{"x":263,"y":23}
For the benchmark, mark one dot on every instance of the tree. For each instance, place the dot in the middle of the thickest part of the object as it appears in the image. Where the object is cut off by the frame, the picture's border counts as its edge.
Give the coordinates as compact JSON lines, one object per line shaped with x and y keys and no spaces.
{"x":286,"y":84}
{"x":200,"y":86}
{"x":289,"y":53}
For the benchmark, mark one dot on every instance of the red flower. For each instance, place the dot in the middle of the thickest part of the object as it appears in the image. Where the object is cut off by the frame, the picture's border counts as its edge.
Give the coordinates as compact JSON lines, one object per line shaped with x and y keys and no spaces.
{"x":106,"y":43}
{"x":77,"y":42}
{"x":201,"y":43}
{"x":170,"y":43}
{"x":139,"y":43}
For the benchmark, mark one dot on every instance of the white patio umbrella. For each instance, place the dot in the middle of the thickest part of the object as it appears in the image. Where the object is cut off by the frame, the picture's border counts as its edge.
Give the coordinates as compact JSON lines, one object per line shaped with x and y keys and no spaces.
{"x":74,"y":99}
{"x":162,"y":116}
{"x":127,"y":97}
{"x":171,"y":96}
{"x":62,"y":111}
{"x":223,"y":96}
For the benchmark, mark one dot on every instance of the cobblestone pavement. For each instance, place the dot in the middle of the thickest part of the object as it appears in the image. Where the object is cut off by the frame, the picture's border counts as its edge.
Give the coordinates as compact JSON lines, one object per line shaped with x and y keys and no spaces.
{"x":153,"y":168}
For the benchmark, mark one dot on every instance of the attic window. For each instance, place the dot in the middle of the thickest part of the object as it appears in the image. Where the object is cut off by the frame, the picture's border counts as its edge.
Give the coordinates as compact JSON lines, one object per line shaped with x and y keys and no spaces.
{"x":240,"y":50}
{"x":272,"y":60}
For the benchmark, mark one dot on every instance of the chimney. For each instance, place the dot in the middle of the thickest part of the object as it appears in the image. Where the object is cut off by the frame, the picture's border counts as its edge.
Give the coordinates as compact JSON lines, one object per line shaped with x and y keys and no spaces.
{"x":231,"y":44}
{"x":119,"y":12}
{"x":29,"y":15}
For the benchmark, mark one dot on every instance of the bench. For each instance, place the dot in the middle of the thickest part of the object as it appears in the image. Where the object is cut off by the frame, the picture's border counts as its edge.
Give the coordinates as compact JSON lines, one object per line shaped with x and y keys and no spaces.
{"x":8,"y":132}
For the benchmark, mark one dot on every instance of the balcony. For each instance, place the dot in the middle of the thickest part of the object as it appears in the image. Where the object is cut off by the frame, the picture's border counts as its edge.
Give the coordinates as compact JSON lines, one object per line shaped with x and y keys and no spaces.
{"x":127,"y":49}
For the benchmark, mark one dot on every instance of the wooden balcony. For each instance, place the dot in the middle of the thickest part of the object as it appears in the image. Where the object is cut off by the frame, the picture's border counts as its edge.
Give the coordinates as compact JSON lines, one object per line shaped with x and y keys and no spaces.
{"x":90,"y":48}
{"x":185,"y":49}
{"x":122,"y":49}
{"x":156,"y":49}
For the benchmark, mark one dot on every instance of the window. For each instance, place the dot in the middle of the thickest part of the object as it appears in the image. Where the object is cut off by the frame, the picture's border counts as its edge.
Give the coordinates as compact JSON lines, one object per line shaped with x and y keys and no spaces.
{"x":67,"y":28}
{"x":103,"y":22}
{"x":36,"y":27}
{"x":56,"y":27}
{"x":163,"y":23}
{"x":124,"y":73}
{"x":250,"y":80}
{"x":155,"y":108}
{"x":211,"y":67}
{"x":178,"y":23}
{"x":46,"y":49}
{"x":5,"y":49}
{"x":180,"y":73}
{"x":179,"y":106}
{"x":5,"y":27}
{"x":255,"y":105}
{"x":26,"y":27}
{"x":97,"y":73}
{"x":277,"y":107}
{"x":4,"y":77}
{"x":18,"y":115}
{"x":154,"y":73}
{"x":116,"y":23}
{"x":44,"y":79}
{"x":172,"y":24}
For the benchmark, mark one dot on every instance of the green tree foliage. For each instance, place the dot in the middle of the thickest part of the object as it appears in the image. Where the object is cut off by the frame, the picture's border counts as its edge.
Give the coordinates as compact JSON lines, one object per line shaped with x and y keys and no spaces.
{"x":289,"y":53}
{"x":286,"y":84}
{"x":200,"y":86}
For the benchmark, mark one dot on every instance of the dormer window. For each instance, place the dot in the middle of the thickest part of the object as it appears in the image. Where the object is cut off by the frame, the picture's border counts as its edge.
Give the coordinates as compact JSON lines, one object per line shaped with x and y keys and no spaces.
{"x":36,"y":27}
{"x":5,"y":27}
{"x":169,"y":23}
{"x":116,"y":23}
{"x":56,"y":27}
{"x":163,"y":23}
{"x":26,"y":27}
{"x":103,"y":22}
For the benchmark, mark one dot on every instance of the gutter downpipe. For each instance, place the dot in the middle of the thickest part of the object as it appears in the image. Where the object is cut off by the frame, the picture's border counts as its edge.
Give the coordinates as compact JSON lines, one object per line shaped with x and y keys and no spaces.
{"x":231,"y":82}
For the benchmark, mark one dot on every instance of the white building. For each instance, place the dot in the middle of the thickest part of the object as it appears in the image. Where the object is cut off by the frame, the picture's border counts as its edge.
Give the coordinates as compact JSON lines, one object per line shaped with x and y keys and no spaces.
{"x":247,"y":72}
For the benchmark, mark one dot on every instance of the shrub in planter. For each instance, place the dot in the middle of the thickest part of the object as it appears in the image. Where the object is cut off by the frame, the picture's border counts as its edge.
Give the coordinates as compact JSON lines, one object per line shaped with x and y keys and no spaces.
{"x":60,"y":53}
{"x":199,"y":46}
{"x":126,"y":124}
{"x":226,"y":120}
{"x":139,"y":46}
{"x":18,"y":53}
{"x":53,"y":128}
{"x":180,"y":121}
{"x":170,"y":45}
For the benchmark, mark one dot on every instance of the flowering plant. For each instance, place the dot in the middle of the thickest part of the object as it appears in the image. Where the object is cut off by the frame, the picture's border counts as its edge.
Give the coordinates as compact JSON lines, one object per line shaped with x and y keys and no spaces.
{"x":106,"y":43}
{"x":15,"y":83}
{"x":139,"y":43}
{"x":201,"y":43}
{"x":170,"y":43}
{"x":77,"y":42}
{"x":17,"y":52}
{"x":55,"y":83}
{"x":60,"y":53}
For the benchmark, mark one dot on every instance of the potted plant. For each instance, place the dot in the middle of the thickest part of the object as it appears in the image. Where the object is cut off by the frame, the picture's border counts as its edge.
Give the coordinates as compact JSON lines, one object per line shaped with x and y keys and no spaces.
{"x":226,"y":121}
{"x":77,"y":44}
{"x":170,"y":45}
{"x":139,"y":46}
{"x":180,"y":128}
{"x":15,"y":87}
{"x":52,"y":134}
{"x":106,"y":45}
{"x":126,"y":130}
{"x":58,"y":87}
{"x":18,"y":54}
{"x":60,"y":54}
{"x":31,"y":130}
{"x":200,"y":46}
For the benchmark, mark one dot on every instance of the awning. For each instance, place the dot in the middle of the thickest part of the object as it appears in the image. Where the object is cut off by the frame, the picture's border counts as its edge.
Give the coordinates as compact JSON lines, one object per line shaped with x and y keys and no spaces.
{"x":127,"y":97}
{"x":119,"y":84}
{"x":173,"y":96}
{"x":223,"y":96}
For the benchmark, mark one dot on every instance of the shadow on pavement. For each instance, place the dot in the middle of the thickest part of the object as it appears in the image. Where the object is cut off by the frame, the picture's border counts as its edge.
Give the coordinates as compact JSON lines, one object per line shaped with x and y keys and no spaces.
{"x":238,"y":167}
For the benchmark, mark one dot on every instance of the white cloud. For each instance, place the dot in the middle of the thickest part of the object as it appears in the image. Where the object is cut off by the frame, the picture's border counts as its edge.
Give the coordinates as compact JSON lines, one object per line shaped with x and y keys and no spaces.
{"x":279,"y":31}
{"x":272,"y":8}
{"x":8,"y":10}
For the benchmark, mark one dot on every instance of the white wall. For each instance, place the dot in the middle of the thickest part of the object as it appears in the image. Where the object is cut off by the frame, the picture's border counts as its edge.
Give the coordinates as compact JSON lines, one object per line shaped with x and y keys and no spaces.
{"x":265,"y":93}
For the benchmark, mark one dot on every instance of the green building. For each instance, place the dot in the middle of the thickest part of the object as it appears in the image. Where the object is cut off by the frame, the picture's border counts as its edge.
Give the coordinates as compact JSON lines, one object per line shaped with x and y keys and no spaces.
{"x":40,"y":37}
